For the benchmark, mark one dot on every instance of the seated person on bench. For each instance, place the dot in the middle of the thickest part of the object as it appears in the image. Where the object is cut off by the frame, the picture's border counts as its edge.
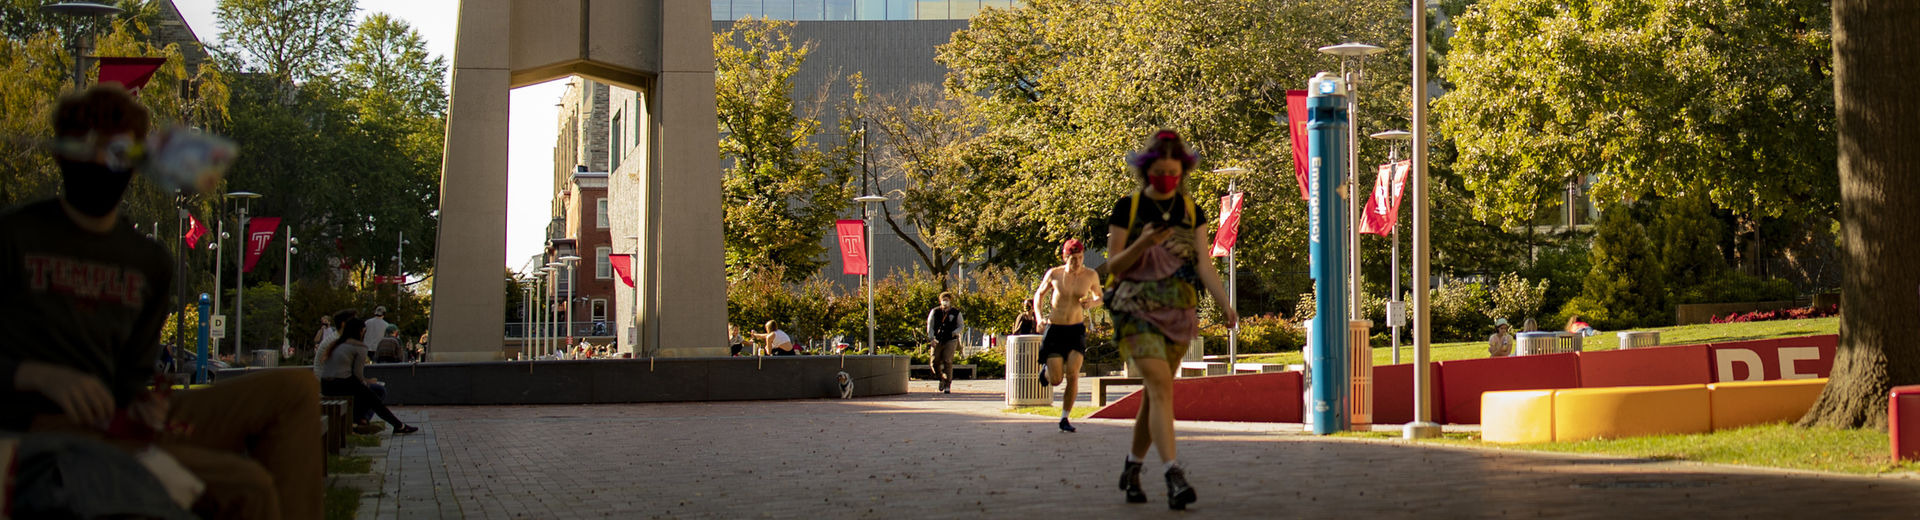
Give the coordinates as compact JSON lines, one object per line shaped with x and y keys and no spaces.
{"x":87,"y":296}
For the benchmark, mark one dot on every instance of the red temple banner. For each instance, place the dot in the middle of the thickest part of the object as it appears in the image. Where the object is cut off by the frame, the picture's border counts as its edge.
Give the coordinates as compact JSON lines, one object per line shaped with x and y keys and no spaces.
{"x":1297,"y":133}
{"x":1229,"y":224}
{"x":1383,"y":208}
{"x":131,"y":73}
{"x":853,"y":246}
{"x":622,"y":265}
{"x":259,"y":233}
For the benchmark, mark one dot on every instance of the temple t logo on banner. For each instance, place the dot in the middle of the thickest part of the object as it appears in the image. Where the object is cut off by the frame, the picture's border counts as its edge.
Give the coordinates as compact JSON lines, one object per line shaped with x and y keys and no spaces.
{"x":853,"y":246}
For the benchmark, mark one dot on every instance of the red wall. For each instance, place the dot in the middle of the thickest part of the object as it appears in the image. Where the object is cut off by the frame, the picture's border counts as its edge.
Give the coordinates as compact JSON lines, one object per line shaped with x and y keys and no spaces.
{"x":1271,"y":397}
{"x":1463,"y":381}
{"x":1675,"y":365}
{"x":1393,"y":394}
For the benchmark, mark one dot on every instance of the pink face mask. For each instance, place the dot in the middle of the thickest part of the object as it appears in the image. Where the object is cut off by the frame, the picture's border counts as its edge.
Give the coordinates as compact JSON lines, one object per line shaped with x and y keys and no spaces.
{"x":1165,"y":183}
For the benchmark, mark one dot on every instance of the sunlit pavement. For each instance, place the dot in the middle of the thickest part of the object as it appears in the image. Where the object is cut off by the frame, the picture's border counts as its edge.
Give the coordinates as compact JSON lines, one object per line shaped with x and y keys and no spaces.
{"x":927,"y":454}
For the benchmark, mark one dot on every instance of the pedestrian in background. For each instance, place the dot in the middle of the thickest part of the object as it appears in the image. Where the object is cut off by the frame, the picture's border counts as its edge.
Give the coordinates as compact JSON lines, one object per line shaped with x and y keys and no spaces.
{"x":943,"y":325}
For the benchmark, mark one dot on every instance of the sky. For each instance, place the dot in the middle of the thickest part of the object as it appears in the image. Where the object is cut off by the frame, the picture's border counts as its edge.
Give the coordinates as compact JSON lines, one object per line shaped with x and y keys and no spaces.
{"x":533,"y":121}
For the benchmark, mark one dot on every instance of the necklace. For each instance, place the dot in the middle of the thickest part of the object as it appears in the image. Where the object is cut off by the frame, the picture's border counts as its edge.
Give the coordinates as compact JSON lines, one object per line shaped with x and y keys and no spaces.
{"x":1166,"y":212}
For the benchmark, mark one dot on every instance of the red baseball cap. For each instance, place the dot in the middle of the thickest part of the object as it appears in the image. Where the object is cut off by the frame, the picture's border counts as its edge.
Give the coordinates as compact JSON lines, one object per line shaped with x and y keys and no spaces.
{"x":1072,"y":245}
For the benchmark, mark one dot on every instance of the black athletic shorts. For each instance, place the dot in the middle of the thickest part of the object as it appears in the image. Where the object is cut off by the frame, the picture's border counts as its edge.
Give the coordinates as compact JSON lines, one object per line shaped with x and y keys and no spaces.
{"x":1062,"y":339}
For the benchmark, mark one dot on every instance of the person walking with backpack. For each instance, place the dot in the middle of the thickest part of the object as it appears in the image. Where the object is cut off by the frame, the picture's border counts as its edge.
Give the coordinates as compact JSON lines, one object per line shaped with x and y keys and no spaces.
{"x":943,"y":325}
{"x":388,"y":350}
{"x":1158,"y":268}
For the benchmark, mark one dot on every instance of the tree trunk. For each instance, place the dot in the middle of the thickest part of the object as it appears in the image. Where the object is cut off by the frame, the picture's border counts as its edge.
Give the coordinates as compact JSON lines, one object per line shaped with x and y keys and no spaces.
{"x":1875,"y":105}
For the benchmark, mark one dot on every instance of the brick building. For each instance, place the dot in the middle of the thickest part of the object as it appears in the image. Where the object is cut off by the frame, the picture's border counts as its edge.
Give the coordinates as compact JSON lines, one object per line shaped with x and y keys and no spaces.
{"x":579,"y":224}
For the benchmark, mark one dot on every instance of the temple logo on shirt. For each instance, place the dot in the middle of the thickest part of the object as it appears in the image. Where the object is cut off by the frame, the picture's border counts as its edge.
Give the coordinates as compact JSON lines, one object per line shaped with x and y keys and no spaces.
{"x":85,"y":281}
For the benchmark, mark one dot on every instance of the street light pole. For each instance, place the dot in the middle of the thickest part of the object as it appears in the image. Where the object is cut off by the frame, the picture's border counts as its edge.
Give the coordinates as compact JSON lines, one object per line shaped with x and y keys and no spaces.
{"x":239,"y":266}
{"x":219,"y":237}
{"x":1357,"y":52}
{"x":570,"y":260}
{"x":1396,"y":309}
{"x":553,"y":286}
{"x":399,"y":258}
{"x":79,"y":9}
{"x":872,"y":346}
{"x":1422,"y":426}
{"x":1233,"y":273}
{"x":526,"y":325}
{"x":286,"y":295}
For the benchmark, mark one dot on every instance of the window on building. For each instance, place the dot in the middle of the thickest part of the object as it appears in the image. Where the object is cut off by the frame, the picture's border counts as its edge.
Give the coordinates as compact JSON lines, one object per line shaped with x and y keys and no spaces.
{"x":778,"y":9}
{"x":900,"y":9}
{"x":960,"y":9}
{"x":602,"y":266}
{"x":838,"y":10}
{"x":746,"y":8}
{"x":870,"y":9}
{"x":599,"y":311}
{"x":614,"y":146}
{"x":600,"y":213}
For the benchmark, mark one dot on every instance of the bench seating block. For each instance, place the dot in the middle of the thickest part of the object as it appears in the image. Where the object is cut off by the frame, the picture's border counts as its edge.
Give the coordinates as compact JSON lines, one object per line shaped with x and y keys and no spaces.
{"x":1610,"y":413}
{"x":1903,"y":422}
{"x":1761,"y":402}
{"x":1517,"y":416}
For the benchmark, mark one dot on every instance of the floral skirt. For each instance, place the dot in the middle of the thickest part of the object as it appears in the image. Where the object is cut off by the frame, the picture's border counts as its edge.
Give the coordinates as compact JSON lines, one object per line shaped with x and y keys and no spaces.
{"x":1154,"y":319}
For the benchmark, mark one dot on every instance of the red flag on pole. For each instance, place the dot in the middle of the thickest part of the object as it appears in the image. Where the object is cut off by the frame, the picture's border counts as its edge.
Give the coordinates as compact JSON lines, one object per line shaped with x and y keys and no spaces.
{"x":195,"y":231}
{"x":853,"y":246}
{"x":623,"y":264}
{"x":131,"y":73}
{"x":1297,"y":133}
{"x":259,"y":233}
{"x":1229,"y":224}
{"x":1383,"y":208}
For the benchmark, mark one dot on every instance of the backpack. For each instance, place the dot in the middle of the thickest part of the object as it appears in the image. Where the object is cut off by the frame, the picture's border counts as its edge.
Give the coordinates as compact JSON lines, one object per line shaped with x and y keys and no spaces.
{"x":1133,"y":216}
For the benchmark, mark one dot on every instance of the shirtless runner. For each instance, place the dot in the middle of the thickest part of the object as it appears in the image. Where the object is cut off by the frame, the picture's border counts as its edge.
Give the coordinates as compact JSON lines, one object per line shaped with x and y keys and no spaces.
{"x":1075,"y":289}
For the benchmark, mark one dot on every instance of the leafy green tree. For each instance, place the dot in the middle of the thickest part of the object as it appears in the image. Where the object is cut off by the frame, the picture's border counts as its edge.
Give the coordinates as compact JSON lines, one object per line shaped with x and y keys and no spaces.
{"x":924,"y":140}
{"x":350,"y":159}
{"x":1516,"y":299}
{"x":1626,"y":287}
{"x":289,"y":40}
{"x":1687,"y":241}
{"x":784,"y":182}
{"x":1654,"y":96}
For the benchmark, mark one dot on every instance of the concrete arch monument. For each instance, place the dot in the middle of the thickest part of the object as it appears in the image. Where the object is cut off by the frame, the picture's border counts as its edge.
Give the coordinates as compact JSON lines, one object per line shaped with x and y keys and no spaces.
{"x":660,"y":48}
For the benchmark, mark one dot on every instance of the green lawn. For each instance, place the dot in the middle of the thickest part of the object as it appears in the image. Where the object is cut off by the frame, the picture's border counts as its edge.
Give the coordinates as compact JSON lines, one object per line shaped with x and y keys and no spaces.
{"x":348,"y":464}
{"x":341,"y":503}
{"x":1682,"y":335}
{"x":363,"y":441}
{"x":1774,"y":445}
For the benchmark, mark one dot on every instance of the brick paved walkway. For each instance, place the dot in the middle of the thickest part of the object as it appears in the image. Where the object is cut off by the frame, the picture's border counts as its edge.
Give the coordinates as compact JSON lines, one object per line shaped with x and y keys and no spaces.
{"x":932,"y":455}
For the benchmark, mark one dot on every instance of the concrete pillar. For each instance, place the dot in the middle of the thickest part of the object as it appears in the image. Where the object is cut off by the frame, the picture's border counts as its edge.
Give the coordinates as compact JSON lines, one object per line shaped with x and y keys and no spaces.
{"x":468,"y":302}
{"x":687,"y":308}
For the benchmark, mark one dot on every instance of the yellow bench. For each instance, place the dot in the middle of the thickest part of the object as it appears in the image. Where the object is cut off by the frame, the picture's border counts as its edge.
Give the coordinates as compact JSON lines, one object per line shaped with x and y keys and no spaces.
{"x":1575,"y":414}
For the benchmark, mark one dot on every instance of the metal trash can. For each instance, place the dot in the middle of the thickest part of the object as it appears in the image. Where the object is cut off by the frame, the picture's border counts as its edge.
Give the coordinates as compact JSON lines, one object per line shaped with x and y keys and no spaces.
{"x":1639,"y":338}
{"x":1534,"y":343}
{"x":266,"y":358}
{"x":1023,"y":372}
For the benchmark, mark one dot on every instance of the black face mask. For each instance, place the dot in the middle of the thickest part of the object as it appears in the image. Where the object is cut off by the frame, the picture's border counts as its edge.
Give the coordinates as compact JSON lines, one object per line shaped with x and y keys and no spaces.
{"x":93,"y":189}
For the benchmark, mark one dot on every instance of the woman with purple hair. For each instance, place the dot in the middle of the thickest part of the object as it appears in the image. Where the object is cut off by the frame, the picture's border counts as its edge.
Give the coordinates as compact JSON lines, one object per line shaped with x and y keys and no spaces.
{"x":1157,"y":269}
